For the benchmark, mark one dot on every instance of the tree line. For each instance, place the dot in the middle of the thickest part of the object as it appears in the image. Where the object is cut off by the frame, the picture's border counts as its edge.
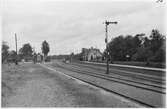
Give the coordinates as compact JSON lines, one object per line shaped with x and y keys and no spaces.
{"x":25,"y":52}
{"x":138,"y":48}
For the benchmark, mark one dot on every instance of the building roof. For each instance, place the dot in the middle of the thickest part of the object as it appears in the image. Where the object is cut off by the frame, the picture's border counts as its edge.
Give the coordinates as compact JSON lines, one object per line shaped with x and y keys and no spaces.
{"x":86,"y":51}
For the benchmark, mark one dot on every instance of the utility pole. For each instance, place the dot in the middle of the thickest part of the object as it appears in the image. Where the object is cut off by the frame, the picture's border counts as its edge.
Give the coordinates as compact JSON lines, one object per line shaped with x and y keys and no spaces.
{"x":34,"y":49}
{"x":16,"y":49}
{"x":106,"y":41}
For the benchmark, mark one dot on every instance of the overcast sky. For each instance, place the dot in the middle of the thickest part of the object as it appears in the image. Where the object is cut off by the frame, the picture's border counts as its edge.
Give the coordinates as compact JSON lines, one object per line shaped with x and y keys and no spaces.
{"x":70,"y":26}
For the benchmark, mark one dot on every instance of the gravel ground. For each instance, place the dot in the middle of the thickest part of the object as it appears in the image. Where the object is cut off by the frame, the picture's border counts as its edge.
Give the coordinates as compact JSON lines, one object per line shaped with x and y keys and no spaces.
{"x":30,"y":85}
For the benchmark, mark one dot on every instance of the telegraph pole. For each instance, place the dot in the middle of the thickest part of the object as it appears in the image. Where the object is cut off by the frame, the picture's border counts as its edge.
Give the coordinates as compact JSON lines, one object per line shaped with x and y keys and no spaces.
{"x":16,"y":49}
{"x":106,"y":41}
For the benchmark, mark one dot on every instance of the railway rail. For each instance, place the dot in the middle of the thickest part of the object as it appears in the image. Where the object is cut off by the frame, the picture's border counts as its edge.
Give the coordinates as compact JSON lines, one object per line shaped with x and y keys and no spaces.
{"x":73,"y":69}
{"x":141,"y":85}
{"x":150,"y":78}
{"x":149,"y":72}
{"x":130,"y":66}
{"x":159,"y":85}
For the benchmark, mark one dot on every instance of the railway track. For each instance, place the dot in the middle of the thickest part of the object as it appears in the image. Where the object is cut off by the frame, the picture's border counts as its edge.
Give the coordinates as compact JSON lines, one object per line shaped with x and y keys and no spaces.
{"x":156,"y":80}
{"x":122,"y":77}
{"x":140,"y":85}
{"x":149,"y":72}
{"x":109,"y":90}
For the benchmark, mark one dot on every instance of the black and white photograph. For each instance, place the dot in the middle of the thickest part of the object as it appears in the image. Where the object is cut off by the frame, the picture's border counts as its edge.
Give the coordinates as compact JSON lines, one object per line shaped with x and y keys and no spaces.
{"x":83,"y":53}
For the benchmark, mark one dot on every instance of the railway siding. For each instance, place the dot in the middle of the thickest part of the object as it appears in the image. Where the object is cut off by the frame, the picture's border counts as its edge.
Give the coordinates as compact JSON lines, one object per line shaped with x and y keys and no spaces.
{"x":130,"y":66}
{"x":142,"y":85}
{"x":142,"y":96}
{"x":131,"y":77}
{"x":139,"y":71}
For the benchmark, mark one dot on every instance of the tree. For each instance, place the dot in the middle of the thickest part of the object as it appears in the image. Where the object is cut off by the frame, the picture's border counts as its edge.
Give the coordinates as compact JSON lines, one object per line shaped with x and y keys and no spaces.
{"x":121,"y":47}
{"x":26,"y":51}
{"x":159,"y":56}
{"x":45,"y":48}
{"x":158,"y":46}
{"x":152,"y":48}
{"x":12,"y":56}
{"x":156,"y":40}
{"x":143,"y":54}
{"x":117,"y":48}
{"x":146,"y":42}
{"x":5,"y":51}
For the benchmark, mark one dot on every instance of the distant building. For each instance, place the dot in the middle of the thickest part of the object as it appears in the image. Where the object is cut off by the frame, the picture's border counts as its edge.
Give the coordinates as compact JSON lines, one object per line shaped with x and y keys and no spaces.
{"x":91,"y":54}
{"x":39,"y":57}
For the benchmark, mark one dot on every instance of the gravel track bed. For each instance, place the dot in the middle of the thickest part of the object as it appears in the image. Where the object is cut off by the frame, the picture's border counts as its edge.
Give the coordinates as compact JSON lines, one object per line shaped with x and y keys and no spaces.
{"x":149,"y":97}
{"x":143,"y":84}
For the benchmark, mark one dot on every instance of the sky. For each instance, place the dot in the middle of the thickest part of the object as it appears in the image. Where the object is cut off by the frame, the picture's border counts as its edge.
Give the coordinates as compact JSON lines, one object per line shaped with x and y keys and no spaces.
{"x":69,"y":26}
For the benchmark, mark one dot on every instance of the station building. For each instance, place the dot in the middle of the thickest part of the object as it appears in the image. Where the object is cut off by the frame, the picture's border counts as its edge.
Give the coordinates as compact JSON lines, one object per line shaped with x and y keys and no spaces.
{"x":91,"y":54}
